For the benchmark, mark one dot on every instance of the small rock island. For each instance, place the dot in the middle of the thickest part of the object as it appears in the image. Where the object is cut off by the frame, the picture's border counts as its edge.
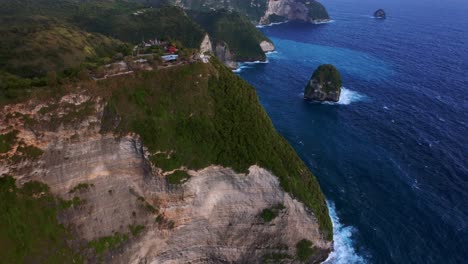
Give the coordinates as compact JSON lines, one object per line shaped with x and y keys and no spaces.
{"x":324,"y":85}
{"x":380,"y":14}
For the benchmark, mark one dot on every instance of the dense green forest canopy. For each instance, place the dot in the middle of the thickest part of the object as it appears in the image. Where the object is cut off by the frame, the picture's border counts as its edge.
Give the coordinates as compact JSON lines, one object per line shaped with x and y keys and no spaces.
{"x":124,"y":20}
{"x":29,"y":229}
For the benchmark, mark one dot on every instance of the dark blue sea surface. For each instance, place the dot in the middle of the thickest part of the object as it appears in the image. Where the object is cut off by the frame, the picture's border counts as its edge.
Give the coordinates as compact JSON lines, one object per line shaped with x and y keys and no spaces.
{"x":392,"y":155}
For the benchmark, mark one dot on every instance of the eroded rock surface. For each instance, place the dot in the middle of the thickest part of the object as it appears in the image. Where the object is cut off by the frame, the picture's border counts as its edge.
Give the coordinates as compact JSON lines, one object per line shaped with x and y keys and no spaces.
{"x":216,"y":215}
{"x":223,"y":53}
{"x":267,"y":46}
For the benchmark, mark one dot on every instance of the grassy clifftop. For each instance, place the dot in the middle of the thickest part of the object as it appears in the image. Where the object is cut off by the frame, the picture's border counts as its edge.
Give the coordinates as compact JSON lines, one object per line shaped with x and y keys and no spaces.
{"x":33,"y":46}
{"x":316,"y":10}
{"x":203,"y":114}
{"x":141,"y":23}
{"x":128,"y":21}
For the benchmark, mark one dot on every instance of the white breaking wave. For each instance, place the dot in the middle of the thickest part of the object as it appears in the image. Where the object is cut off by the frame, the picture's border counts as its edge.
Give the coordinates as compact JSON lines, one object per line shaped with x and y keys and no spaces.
{"x":324,"y":22}
{"x":240,"y":68}
{"x":343,"y":251}
{"x":255,"y":62}
{"x":272,"y":24}
{"x":248,"y":65}
{"x":348,"y":96}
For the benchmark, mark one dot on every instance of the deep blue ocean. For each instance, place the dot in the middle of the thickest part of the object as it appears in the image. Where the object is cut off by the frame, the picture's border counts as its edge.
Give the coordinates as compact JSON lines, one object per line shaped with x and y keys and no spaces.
{"x":392,"y":155}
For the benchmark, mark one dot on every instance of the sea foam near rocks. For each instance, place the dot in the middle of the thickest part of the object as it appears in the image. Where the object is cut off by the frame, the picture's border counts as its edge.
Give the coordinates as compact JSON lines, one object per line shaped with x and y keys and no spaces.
{"x":272,"y":24}
{"x":248,"y":65}
{"x":343,"y":252}
{"x":349,"y":96}
{"x":324,"y":22}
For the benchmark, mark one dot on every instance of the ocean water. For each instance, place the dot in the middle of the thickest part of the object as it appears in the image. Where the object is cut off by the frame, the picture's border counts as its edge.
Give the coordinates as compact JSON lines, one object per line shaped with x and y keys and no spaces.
{"x":392,"y":155}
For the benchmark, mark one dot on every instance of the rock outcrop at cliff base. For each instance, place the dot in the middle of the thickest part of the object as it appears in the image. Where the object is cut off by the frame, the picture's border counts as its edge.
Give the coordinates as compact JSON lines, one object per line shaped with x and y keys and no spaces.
{"x":267,"y":46}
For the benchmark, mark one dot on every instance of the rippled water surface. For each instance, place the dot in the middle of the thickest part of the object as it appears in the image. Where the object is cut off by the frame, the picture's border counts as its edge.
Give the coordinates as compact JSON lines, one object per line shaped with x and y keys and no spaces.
{"x":392,"y":155}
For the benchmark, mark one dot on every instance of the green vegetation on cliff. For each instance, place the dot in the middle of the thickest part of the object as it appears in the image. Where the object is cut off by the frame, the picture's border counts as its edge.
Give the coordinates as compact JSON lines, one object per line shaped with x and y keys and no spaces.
{"x":168,"y":23}
{"x":31,"y":47}
{"x":329,"y":77}
{"x":29,"y":230}
{"x":127,"y":21}
{"x":7,"y":141}
{"x":253,"y":9}
{"x":203,"y":114}
{"x":316,"y":10}
{"x":268,"y":214}
{"x":304,"y":249}
{"x":178,"y":177}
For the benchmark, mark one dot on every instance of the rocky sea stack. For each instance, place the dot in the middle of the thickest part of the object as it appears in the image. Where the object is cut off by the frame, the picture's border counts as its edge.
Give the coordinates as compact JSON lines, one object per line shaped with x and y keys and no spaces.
{"x":380,"y":14}
{"x":324,"y":85}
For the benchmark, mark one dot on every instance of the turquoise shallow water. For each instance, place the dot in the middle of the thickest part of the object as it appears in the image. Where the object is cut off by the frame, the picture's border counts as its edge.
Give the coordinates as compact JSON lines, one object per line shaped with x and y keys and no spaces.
{"x":392,"y":155}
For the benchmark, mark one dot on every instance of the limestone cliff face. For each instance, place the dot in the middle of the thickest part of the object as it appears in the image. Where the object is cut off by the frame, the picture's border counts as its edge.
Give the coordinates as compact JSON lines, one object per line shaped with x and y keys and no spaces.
{"x":267,"y":46}
{"x":309,"y":11}
{"x":206,"y":45}
{"x":223,"y":53}
{"x":214,"y":217}
{"x":220,"y":50}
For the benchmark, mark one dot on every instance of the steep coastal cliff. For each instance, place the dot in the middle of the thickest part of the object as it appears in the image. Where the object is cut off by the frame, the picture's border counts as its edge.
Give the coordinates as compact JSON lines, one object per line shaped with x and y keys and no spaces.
{"x":156,"y":181}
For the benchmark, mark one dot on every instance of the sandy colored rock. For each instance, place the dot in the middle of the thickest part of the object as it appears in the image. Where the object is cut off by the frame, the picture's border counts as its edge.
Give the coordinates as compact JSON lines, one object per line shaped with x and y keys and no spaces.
{"x":267,"y":46}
